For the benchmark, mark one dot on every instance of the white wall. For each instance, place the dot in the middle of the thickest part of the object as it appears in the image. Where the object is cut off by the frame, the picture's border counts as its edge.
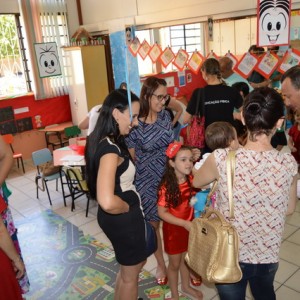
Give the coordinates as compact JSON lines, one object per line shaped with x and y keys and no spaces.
{"x":9,"y":6}
{"x":100,"y":15}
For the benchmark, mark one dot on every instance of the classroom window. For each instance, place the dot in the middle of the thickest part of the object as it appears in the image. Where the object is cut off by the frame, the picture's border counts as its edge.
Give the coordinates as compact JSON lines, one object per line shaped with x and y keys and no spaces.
{"x":14,"y":78}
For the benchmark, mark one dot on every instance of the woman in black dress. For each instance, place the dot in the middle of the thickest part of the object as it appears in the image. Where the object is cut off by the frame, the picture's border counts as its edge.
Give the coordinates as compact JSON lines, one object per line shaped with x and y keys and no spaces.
{"x":110,"y":174}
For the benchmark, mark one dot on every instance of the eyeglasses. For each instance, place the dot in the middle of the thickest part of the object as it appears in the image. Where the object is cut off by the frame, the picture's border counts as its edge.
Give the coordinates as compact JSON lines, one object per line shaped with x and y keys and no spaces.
{"x":160,"y":98}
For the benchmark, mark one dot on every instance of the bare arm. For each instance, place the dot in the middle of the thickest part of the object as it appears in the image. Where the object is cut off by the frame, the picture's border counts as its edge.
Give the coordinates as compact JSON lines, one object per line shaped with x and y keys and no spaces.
{"x":106,"y":178}
{"x":84,"y":124}
{"x":174,"y":105}
{"x":187,"y":118}
{"x":207,"y":173}
{"x":164,"y":214}
{"x":291,"y":144}
{"x":132,"y":153}
{"x":6,"y":244}
{"x":293,"y":196}
{"x":6,"y":160}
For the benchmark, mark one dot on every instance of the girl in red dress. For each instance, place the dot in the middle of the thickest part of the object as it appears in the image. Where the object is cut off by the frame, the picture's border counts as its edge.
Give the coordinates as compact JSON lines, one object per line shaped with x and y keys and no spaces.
{"x":174,"y":194}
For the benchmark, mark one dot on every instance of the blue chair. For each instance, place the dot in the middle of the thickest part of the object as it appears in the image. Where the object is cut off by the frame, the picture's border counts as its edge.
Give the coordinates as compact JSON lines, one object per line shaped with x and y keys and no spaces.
{"x":46,"y":171}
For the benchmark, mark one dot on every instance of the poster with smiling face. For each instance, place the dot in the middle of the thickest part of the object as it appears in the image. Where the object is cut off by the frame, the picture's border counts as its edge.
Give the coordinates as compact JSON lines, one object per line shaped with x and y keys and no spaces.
{"x":47,"y":59}
{"x":273,"y":22}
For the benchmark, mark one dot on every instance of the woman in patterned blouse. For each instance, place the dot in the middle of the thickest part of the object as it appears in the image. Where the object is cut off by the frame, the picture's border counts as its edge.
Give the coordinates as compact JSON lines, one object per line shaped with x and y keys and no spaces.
{"x":264,"y":177}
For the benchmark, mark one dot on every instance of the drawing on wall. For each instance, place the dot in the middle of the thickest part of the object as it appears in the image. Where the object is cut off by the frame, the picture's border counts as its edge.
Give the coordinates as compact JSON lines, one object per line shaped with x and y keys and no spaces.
{"x":273,"y":22}
{"x":47,"y":59}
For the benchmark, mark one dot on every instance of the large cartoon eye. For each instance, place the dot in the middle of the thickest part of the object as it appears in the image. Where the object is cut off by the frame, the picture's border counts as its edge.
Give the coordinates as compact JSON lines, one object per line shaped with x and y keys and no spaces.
{"x":278,"y":25}
{"x":46,"y":64}
{"x":52,"y":63}
{"x":269,"y":26}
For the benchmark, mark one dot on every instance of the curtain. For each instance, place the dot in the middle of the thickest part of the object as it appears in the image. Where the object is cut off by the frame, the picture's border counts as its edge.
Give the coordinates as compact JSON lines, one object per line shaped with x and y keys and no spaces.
{"x":46,"y":21}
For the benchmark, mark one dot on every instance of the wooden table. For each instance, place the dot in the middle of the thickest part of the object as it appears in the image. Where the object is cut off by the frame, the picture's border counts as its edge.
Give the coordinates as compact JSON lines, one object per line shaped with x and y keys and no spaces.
{"x":56,"y":129}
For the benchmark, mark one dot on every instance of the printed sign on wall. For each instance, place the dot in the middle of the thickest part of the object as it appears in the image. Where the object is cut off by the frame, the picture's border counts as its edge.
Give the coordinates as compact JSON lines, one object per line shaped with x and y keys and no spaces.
{"x":273,"y":22}
{"x":47,"y":59}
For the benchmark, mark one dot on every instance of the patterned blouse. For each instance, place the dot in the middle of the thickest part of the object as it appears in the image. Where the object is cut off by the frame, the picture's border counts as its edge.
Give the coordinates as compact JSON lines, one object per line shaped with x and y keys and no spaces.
{"x":260,"y":194}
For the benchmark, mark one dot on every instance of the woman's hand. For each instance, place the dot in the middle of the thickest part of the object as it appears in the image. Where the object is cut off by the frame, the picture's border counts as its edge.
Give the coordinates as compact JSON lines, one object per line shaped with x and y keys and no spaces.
{"x":196,"y":153}
{"x":187,"y":225}
{"x":19,"y":267}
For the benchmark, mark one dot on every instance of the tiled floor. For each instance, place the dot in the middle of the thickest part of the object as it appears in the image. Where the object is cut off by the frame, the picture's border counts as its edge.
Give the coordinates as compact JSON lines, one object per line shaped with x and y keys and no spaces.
{"x":23,"y":203}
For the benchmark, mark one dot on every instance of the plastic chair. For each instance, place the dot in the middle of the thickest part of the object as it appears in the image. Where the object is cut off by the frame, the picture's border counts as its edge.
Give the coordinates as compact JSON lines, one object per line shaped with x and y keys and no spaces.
{"x":77,"y":186}
{"x":72,"y":131}
{"x":39,"y":158}
{"x":9,"y":139}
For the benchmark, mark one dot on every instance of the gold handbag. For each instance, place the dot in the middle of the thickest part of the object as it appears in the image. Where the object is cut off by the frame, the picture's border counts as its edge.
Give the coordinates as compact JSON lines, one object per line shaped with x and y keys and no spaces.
{"x":213,"y":249}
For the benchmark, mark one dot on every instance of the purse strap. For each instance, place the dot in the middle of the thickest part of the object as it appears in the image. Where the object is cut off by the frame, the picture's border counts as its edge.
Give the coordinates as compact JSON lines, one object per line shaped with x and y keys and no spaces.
{"x":200,"y":99}
{"x":230,"y":166}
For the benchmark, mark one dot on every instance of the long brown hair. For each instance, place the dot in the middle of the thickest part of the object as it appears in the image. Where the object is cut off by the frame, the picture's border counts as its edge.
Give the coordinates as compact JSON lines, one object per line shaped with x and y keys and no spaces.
{"x":170,"y":182}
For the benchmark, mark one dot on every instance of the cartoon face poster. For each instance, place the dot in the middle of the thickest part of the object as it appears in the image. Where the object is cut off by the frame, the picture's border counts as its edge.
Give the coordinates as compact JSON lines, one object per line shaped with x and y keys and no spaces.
{"x":273,"y":22}
{"x":47,"y":59}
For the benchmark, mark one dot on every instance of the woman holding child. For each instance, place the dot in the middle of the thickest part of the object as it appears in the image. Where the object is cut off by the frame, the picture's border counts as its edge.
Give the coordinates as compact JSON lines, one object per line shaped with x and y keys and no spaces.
{"x":263,"y":180}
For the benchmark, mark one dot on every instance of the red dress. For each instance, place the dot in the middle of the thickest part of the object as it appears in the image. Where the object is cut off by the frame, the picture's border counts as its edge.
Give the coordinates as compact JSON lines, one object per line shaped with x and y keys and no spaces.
{"x":9,"y":286}
{"x":176,"y":237}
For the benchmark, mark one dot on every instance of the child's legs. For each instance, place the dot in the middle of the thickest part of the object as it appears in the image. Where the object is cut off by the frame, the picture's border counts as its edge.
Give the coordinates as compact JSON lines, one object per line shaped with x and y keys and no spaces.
{"x":173,"y":272}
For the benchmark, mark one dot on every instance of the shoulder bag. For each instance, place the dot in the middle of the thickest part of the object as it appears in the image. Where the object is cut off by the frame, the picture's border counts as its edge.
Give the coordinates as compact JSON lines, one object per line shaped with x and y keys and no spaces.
{"x":150,"y":238}
{"x":195,"y":131}
{"x":213,"y":249}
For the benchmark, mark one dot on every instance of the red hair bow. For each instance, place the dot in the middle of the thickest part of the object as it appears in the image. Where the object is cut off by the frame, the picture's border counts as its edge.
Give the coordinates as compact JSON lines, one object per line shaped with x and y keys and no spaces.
{"x":173,"y":149}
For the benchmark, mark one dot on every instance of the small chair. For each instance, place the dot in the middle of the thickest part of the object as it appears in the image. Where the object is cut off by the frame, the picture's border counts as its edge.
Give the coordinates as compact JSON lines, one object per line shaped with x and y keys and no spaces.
{"x":77,"y":186}
{"x":53,"y":138}
{"x":40,"y":158}
{"x":9,"y":139}
{"x":72,"y":131}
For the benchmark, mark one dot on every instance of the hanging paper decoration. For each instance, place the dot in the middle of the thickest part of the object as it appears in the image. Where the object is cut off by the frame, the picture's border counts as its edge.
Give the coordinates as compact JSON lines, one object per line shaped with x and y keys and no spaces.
{"x":267,"y":64}
{"x":166,"y":57}
{"x":144,"y":49}
{"x":245,"y":66}
{"x":181,"y":59}
{"x":134,"y":46}
{"x":195,"y":62}
{"x":232,"y":57}
{"x":212,"y":54}
{"x":155,"y":52}
{"x":290,"y":59}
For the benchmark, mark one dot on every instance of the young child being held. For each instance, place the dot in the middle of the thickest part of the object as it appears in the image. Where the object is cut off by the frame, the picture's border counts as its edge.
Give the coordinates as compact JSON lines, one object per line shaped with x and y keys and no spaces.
{"x":174,"y":194}
{"x":219,"y":135}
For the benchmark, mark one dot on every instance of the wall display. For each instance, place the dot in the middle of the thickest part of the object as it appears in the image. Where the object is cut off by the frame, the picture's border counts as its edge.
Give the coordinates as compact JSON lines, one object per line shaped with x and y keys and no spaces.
{"x":8,"y":127}
{"x":232,"y":57}
{"x":144,"y":49}
{"x":290,"y":59}
{"x":47,"y":59}
{"x":6,"y":114}
{"x":155,"y":52}
{"x":24,"y":124}
{"x":134,"y":46}
{"x":181,"y":59}
{"x":267,"y":64}
{"x":273,"y":22}
{"x":245,"y":66}
{"x":195,"y":62}
{"x":166,"y":57}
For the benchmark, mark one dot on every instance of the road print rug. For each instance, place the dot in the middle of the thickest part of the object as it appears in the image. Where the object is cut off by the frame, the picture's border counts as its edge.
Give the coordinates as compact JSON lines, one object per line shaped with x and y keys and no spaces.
{"x":64,"y":264}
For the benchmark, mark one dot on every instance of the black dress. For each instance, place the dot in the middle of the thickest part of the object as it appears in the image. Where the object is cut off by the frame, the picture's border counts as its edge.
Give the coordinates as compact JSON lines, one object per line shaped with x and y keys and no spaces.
{"x":125,"y":231}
